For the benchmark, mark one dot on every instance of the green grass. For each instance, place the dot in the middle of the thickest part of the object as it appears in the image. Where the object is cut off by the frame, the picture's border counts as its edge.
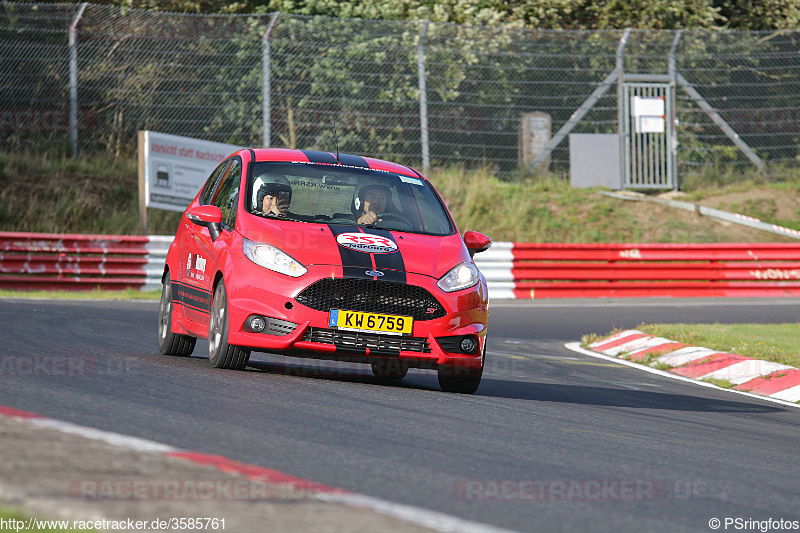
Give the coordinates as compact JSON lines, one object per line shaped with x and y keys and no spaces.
{"x":88,"y":195}
{"x":779,"y":343}
{"x":539,"y":207}
{"x":706,"y":183}
{"x":96,"y":294}
{"x":722,"y":383}
{"x":650,"y":360}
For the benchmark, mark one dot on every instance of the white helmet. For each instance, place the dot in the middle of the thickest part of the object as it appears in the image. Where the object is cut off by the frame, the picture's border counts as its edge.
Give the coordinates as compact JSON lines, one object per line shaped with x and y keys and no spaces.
{"x":272,"y":185}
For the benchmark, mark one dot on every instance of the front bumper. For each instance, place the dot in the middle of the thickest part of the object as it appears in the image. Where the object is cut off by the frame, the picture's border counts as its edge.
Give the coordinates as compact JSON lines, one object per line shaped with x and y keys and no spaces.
{"x":298,"y":330}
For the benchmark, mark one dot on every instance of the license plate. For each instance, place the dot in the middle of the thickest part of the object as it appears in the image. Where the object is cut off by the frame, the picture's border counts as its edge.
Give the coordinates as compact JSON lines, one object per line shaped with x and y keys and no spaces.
{"x":370,"y":322}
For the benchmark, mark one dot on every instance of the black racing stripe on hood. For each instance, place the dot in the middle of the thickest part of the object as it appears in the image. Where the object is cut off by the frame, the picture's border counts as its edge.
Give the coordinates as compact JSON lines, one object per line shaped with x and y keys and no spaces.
{"x":392,"y":265}
{"x":320,"y":157}
{"x":354,"y":264}
{"x":353,"y":160}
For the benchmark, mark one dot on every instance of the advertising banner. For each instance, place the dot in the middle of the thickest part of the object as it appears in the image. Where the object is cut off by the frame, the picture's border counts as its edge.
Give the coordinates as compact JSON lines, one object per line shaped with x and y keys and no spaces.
{"x":172,"y":168}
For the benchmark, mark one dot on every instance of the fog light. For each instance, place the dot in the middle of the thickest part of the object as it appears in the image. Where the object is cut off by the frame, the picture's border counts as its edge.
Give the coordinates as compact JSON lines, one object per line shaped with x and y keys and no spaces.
{"x":469,"y":345}
{"x":257,"y":324}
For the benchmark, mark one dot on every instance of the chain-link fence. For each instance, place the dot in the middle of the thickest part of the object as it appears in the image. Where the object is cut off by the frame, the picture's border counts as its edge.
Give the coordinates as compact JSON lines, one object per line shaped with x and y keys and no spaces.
{"x":88,"y":77}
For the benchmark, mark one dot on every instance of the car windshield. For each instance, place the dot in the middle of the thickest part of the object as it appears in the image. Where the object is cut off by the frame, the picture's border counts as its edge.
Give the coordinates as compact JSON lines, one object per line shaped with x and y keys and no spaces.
{"x":329,"y":194}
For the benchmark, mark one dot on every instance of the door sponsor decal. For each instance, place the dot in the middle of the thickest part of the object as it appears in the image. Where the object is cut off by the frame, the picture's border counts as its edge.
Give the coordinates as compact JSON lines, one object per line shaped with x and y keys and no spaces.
{"x":196,"y":267}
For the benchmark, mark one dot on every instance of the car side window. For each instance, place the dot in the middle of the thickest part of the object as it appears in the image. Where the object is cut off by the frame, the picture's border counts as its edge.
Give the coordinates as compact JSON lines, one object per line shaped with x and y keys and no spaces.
{"x":208,"y":188}
{"x":227,"y":194}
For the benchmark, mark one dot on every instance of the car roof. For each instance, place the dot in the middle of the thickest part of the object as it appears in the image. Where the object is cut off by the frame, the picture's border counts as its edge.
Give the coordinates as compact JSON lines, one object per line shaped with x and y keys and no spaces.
{"x":328,"y":158}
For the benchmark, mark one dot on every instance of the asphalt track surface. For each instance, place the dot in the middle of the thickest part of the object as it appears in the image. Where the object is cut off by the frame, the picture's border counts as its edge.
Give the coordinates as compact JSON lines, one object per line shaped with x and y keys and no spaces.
{"x":552,"y":441}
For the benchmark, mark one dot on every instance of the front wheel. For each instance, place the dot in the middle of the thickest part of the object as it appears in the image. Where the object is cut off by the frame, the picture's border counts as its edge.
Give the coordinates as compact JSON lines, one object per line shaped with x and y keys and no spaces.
{"x":461,"y":380}
{"x":220,"y":353}
{"x":170,"y":343}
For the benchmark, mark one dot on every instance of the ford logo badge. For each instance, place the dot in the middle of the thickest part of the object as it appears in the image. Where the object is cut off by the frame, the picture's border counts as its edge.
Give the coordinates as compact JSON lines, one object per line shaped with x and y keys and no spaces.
{"x":375,"y":273}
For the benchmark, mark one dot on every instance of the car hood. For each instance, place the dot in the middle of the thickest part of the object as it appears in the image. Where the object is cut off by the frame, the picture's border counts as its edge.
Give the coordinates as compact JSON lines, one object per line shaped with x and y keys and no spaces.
{"x":360,"y":248}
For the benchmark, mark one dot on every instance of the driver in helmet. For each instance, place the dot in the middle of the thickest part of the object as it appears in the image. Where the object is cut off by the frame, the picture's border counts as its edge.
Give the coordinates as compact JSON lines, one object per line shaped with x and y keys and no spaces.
{"x":274,"y":196}
{"x":373,"y":199}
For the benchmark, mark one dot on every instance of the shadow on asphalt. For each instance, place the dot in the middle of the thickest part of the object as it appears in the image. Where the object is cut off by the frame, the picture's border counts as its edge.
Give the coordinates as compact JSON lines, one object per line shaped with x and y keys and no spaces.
{"x":538,"y":392}
{"x":609,"y":397}
{"x":330,"y":372}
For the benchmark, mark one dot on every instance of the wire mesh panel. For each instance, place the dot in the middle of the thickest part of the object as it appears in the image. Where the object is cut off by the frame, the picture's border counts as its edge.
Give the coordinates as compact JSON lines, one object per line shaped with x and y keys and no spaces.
{"x":34,"y":74}
{"x":191,"y":75}
{"x":362,"y":74}
{"x":224,"y":78}
{"x":481,"y":82}
{"x":752,"y":79}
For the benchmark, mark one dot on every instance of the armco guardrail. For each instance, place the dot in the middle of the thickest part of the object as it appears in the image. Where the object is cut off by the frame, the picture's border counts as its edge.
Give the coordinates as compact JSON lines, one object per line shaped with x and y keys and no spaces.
{"x":546,"y":270}
{"x":514,"y":270}
{"x":55,"y":261}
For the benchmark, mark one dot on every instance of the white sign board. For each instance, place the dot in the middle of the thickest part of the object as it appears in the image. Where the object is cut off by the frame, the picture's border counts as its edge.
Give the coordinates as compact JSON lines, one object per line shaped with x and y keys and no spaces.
{"x":652,"y":107}
{"x":651,"y":125}
{"x":175,"y":168}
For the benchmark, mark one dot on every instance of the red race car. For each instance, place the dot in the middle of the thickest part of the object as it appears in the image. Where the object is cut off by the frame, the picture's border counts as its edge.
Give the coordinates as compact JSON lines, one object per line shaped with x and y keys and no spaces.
{"x":313,"y":254}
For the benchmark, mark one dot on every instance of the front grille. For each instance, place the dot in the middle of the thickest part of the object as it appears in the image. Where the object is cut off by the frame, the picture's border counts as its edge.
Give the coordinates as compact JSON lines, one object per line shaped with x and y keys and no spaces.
{"x":371,"y":297}
{"x":355,"y":342}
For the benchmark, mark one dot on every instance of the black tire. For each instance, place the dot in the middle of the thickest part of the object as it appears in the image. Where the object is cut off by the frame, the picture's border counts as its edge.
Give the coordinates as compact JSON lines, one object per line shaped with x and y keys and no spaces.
{"x":170,"y":343}
{"x":461,"y":380}
{"x":389,"y":368}
{"x":220,"y":353}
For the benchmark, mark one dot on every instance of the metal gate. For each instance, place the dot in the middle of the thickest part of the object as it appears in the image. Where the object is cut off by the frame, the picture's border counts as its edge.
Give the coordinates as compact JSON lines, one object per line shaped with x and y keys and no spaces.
{"x":648,"y":131}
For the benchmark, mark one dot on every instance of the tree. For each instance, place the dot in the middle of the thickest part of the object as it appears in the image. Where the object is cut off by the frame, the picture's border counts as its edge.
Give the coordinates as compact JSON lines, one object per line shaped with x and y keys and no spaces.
{"x":541,"y":14}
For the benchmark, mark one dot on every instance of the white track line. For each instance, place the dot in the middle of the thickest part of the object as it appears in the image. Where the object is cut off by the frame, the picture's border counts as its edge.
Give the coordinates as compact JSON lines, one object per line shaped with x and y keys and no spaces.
{"x":415,"y":515}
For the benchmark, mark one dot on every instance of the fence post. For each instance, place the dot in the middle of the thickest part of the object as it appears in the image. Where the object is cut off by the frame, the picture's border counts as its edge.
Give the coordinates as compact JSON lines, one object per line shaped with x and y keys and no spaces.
{"x":423,"y":101}
{"x":673,"y":82}
{"x":266,"y":111}
{"x":624,"y":151}
{"x":73,"y":79}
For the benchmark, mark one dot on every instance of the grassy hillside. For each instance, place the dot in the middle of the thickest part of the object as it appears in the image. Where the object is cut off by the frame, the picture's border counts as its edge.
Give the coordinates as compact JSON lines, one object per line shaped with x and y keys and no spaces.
{"x":546,"y":209}
{"x":100,"y":196}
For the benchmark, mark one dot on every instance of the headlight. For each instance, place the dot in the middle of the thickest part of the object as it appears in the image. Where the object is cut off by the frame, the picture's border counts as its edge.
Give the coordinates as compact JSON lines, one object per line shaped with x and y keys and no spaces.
{"x":272,"y":258}
{"x":460,"y":277}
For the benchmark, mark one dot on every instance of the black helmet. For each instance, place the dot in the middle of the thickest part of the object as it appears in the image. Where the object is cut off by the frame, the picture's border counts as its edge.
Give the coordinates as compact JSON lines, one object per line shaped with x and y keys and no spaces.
{"x":358,"y":201}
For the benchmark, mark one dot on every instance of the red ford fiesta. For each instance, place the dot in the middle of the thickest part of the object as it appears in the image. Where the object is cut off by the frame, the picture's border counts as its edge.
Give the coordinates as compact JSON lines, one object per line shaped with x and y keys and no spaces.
{"x":312,"y":254}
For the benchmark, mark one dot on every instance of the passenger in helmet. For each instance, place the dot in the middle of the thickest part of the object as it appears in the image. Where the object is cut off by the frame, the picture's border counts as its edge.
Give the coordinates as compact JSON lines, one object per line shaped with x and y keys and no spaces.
{"x":372,"y":200}
{"x":274,"y":198}
{"x":274,"y":195}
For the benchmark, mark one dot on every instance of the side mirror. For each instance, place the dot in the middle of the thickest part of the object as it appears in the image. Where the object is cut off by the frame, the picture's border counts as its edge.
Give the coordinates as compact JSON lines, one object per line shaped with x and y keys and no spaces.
{"x":208,"y":216}
{"x":476,"y":242}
